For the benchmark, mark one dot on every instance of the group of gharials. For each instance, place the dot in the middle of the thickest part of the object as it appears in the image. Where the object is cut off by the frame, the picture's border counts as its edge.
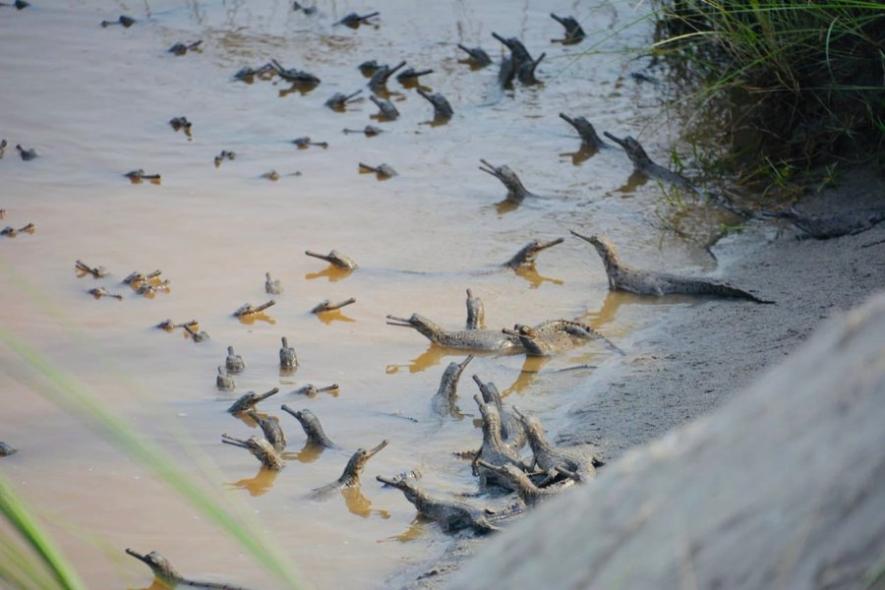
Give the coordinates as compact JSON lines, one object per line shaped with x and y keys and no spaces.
{"x":499,"y":463}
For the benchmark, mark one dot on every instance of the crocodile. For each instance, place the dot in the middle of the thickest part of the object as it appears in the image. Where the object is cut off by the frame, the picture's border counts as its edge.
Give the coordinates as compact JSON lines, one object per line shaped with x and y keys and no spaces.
{"x":288,"y":358}
{"x":123,"y":20}
{"x":97,"y":272}
{"x":519,"y":64}
{"x":224,"y":155}
{"x":494,"y":450}
{"x":335,"y":258}
{"x":369,"y":67}
{"x":311,"y":390}
{"x":826,"y":227}
{"x":248,"y":74}
{"x":516,"y":191}
{"x":260,"y":449}
{"x":644,"y":282}
{"x":3,"y":144}
{"x":223,"y":381}
{"x":326,"y":305}
{"x":169,"y":577}
{"x":528,"y":253}
{"x":573,"y":31}
{"x":553,"y":336}
{"x":512,"y":430}
{"x":378,"y":81}
{"x":354,"y":20}
{"x":339,"y":100}
{"x":196,"y":334}
{"x":411,"y":77}
{"x":589,"y":138}
{"x":350,"y":477}
{"x":18,"y":4}
{"x":183,"y":48}
{"x":312,"y":428}
{"x":11,"y":232}
{"x":7,"y":449}
{"x":135,"y":278}
{"x":271,"y":175}
{"x":26,"y":154}
{"x":272,"y":286}
{"x":475,"y":340}
{"x":381,"y":171}
{"x":442,"y":110}
{"x":368,"y":131}
{"x":181,"y":124}
{"x":307,"y":10}
{"x":552,"y":460}
{"x":530,"y":494}
{"x":139,"y":175}
{"x":294,"y":75}
{"x":249,"y":400}
{"x":302,"y":143}
{"x":476,"y":56}
{"x":476,"y":312}
{"x":248,"y":309}
{"x":270,"y":426}
{"x":451,"y":515}
{"x":444,"y":402}
{"x":234,"y":362}
{"x":99,"y":292}
{"x":644,"y":165}
{"x":386,"y":110}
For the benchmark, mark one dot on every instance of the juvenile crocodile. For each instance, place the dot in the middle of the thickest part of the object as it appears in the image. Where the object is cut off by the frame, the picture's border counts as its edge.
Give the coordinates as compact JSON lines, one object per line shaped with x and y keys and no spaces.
{"x":7,"y":449}
{"x":135,"y":278}
{"x":644,"y":164}
{"x":339,"y":100}
{"x":476,"y":340}
{"x":248,"y":309}
{"x":18,"y":4}
{"x":223,"y":381}
{"x":326,"y":305}
{"x":452,"y":516}
{"x":519,"y":65}
{"x":476,"y":56}
{"x":553,"y":336}
{"x":3,"y":144}
{"x":260,"y":449}
{"x":234,"y":362}
{"x":382,"y":171}
{"x":368,"y":131}
{"x":516,"y":191}
{"x":512,"y":430}
{"x":139,"y":175}
{"x":270,"y":426}
{"x":528,"y":253}
{"x":589,"y":138}
{"x":97,"y":272}
{"x":249,"y":400}
{"x":224,"y":155}
{"x":354,"y":20}
{"x":99,"y":292}
{"x":826,"y":227}
{"x":312,"y":428}
{"x":378,"y":81}
{"x":386,"y":110}
{"x":335,"y":258}
{"x":181,"y":123}
{"x":410,"y":76}
{"x":288,"y":358}
{"x":183,"y":48}
{"x":311,"y":390}
{"x":294,"y":75}
{"x":125,"y":21}
{"x":494,"y":450}
{"x":307,"y":10}
{"x":272,"y":286}
{"x":573,"y":31}
{"x":643,"y":282}
{"x":351,"y":475}
{"x":442,"y":110}
{"x":248,"y":74}
{"x":517,"y":479}
{"x":169,"y":576}
{"x":445,"y":400}
{"x":302,"y":143}
{"x":550,"y":459}
{"x":476,"y":312}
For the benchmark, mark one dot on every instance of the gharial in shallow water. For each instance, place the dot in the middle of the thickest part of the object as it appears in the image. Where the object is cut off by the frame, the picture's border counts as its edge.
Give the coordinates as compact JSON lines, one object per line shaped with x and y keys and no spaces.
{"x":169,"y":577}
{"x":386,"y":110}
{"x":26,"y":154}
{"x":476,"y":56}
{"x":516,"y":191}
{"x":234,"y":362}
{"x":224,"y":381}
{"x":335,"y":258}
{"x":260,"y":448}
{"x":476,"y":312}
{"x":589,"y":138}
{"x":312,"y":428}
{"x":475,"y":340}
{"x":573,"y":31}
{"x":378,"y":81}
{"x":445,"y":400}
{"x":644,"y":165}
{"x":354,"y":20}
{"x":123,"y":20}
{"x":249,"y":400}
{"x":339,"y":100}
{"x":382,"y":171}
{"x":350,"y":477}
{"x":442,"y":110}
{"x":326,"y":305}
{"x":183,"y":48}
{"x":288,"y":358}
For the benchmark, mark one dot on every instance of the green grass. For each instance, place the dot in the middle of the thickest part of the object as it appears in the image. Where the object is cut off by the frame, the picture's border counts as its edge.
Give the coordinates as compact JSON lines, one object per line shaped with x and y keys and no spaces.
{"x":66,"y":392}
{"x":785,"y":87}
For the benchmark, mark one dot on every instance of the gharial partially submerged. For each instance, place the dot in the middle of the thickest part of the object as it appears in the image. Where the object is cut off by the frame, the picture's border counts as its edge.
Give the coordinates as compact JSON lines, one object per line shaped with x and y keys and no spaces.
{"x":351,"y":475}
{"x":475,"y":340}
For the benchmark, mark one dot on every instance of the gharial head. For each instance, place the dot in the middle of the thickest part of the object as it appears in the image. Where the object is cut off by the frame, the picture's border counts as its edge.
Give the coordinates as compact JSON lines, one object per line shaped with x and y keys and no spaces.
{"x":634,"y":151}
{"x":490,"y":416}
{"x":417,"y":321}
{"x":604,"y":247}
{"x":532,"y":424}
{"x":160,"y":566}
{"x":359,"y":459}
{"x":503,"y":173}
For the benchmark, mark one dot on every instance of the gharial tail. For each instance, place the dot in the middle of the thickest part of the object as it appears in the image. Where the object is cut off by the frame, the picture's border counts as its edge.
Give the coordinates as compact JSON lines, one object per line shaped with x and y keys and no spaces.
{"x":722,"y":290}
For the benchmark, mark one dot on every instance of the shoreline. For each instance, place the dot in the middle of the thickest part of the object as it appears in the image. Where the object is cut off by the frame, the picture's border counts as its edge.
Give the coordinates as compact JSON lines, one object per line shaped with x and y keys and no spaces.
{"x":697,"y":357}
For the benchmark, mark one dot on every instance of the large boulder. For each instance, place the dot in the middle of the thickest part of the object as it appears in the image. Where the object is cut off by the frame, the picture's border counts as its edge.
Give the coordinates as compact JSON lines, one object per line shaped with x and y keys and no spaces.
{"x":783,"y":487}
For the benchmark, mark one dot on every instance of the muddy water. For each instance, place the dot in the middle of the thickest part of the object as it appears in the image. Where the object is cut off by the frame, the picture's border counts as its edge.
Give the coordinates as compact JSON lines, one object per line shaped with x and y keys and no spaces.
{"x":95,"y":103}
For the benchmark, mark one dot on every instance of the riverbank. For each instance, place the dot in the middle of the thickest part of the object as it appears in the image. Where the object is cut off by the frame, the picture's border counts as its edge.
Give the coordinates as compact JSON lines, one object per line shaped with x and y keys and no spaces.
{"x":697,"y":357}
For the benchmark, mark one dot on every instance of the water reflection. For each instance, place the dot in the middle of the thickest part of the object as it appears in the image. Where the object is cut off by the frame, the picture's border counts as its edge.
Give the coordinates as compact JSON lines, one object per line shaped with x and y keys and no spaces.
{"x":250,"y":318}
{"x":333,"y":273}
{"x":415,"y":530}
{"x":535,"y":279}
{"x":258,"y":485}
{"x":528,"y":374}
{"x":336,"y":315}
{"x":582,"y":155}
{"x":636,"y":180}
{"x":308,"y":453}
{"x":359,"y":505}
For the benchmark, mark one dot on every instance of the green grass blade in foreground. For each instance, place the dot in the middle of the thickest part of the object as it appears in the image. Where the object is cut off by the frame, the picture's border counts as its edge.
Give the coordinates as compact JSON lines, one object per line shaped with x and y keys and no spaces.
{"x":69,"y":394}
{"x":20,"y":519}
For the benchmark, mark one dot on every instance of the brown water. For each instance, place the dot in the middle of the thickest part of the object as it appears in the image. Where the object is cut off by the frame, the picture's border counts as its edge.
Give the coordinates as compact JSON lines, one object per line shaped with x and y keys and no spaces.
{"x":95,"y":103}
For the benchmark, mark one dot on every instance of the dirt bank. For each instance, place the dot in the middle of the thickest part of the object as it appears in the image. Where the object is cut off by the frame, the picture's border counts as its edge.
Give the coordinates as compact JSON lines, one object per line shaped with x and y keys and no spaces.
{"x":696,"y":357}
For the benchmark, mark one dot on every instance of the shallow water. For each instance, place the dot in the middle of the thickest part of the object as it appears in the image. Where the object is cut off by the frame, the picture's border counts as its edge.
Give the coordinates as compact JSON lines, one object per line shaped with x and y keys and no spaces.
{"x":95,"y":103}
